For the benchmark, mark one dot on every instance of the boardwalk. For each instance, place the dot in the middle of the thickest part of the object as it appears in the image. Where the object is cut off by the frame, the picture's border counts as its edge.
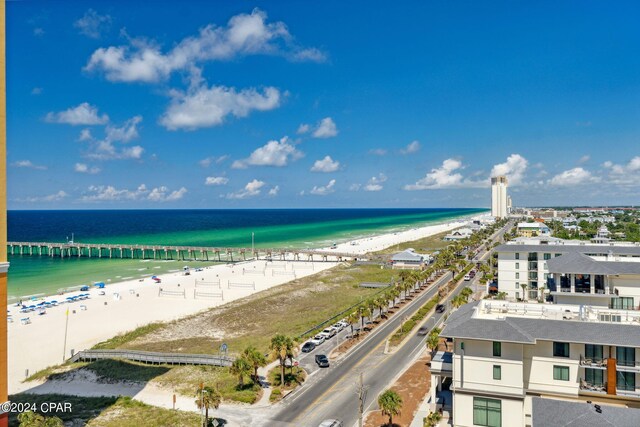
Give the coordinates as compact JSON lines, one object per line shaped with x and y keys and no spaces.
{"x":164,"y":252}
{"x":153,"y":357}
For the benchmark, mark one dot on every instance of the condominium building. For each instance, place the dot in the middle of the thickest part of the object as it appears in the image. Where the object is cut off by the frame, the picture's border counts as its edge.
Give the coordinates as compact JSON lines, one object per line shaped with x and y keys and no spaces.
{"x":532,"y":229}
{"x":572,"y":272}
{"x":518,"y":364}
{"x":499,"y":200}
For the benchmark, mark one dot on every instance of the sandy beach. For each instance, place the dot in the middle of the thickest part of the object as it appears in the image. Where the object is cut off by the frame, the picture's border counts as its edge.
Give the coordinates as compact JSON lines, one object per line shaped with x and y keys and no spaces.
{"x":124,"y":306}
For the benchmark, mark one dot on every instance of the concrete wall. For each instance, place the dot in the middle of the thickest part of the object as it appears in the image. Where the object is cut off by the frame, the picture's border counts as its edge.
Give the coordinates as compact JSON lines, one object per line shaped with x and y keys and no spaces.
{"x":512,"y":411}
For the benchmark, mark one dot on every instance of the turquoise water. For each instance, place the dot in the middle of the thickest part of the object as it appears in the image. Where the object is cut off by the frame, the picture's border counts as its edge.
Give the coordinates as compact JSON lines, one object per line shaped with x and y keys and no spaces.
{"x":286,"y":228}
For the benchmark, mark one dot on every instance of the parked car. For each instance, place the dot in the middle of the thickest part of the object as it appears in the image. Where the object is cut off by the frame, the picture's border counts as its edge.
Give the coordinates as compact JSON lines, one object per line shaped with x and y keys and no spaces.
{"x":338,"y":326}
{"x":331,"y":423}
{"x":423,"y":330}
{"x":329,"y":332}
{"x":308,"y":347}
{"x":322,"y":360}
{"x":440,"y":308}
{"x":467,"y":277}
{"x":317,"y":340}
{"x":344,"y":323}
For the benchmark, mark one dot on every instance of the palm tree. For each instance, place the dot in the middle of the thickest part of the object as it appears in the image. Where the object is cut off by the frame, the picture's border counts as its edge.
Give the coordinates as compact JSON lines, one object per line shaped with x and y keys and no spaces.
{"x":458,"y":300}
{"x":353,"y":318}
{"x":432,"y":341}
{"x":380,"y":303}
{"x":256,"y":359}
{"x":363,"y":311}
{"x":281,"y":347}
{"x":390,"y":403}
{"x":432,"y":419}
{"x":241,"y":367}
{"x":208,"y":398}
{"x":524,"y":291}
{"x":541,"y":293}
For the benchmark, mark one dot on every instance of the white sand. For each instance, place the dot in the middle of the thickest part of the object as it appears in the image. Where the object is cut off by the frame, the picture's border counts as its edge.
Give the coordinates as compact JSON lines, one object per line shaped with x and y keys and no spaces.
{"x":40,"y":344}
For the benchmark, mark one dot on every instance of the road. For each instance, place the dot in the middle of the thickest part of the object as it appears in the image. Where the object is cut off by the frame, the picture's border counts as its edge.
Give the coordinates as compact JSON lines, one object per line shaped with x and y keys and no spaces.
{"x":331,"y":393}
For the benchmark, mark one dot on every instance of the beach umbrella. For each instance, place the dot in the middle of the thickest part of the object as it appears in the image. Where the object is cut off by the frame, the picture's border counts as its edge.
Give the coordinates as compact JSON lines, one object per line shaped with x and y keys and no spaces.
{"x":32,"y":306}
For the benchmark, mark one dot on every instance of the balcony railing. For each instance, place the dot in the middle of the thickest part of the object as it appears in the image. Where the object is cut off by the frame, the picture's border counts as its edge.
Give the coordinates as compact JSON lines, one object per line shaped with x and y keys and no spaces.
{"x":628,"y":365}
{"x":598,"y":388}
{"x":593,"y":362}
{"x":628,"y":391}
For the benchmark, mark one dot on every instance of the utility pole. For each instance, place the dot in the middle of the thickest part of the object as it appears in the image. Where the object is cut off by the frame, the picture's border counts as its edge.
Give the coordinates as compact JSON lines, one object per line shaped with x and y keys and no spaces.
{"x":361,"y":391}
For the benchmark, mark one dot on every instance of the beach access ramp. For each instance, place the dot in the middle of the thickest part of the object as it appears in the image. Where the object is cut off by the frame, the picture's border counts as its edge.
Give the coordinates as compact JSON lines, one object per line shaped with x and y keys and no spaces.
{"x":152,"y":357}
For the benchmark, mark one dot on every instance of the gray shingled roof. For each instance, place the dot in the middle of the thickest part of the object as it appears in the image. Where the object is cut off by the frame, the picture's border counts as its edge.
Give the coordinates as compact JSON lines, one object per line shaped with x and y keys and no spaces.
{"x":562,"y":413}
{"x":462,"y":324}
{"x":579,"y":263}
{"x":583,"y":249}
{"x":407,"y":255}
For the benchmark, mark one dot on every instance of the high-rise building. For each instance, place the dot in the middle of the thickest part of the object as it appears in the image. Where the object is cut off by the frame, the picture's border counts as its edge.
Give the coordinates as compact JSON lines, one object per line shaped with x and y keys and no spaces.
{"x":499,"y":196}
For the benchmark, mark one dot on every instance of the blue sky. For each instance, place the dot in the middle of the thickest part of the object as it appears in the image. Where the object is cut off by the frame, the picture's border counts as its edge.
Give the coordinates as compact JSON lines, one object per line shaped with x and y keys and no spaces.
{"x":321,"y":104}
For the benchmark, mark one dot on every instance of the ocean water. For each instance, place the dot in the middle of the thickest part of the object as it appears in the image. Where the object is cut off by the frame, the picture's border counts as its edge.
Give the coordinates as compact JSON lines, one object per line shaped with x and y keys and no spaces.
{"x":276,"y":228}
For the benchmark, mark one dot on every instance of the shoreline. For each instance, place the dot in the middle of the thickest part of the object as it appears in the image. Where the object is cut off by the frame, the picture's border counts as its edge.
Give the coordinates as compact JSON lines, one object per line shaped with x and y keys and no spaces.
{"x":127,"y":305}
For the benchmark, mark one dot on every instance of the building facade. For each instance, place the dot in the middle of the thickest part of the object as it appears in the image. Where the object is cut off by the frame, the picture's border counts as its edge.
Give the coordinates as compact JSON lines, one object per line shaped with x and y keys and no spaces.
{"x":499,"y":200}
{"x":506,"y":355}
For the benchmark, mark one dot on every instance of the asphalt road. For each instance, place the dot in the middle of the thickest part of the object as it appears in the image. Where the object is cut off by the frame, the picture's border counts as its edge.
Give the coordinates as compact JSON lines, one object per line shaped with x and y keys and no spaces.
{"x":331,"y":393}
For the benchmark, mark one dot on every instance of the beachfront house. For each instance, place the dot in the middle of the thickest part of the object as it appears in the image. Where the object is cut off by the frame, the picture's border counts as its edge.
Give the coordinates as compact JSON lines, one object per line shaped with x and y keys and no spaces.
{"x":409,"y":260}
{"x":533,"y":229}
{"x":459,"y":234}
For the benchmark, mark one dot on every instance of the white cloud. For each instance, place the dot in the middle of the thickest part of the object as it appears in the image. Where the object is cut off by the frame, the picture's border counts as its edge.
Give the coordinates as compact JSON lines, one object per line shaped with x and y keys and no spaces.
{"x":252,"y":189}
{"x":274,"y":191}
{"x":85,"y":135}
{"x":105,"y":149}
{"x":325,"y":129}
{"x":28,"y":164}
{"x":207,"y":161}
{"x":303,"y":128}
{"x":273,"y":153}
{"x":84,"y":168}
{"x":325,"y":165}
{"x":375,"y":183}
{"x":445,"y":176}
{"x":38,"y":32}
{"x":624,"y":174}
{"x":92,"y":24}
{"x":36,"y":91}
{"x":412,"y":147}
{"x":202,"y":106}
{"x":125,"y":133}
{"x":84,"y":114}
{"x":355,"y":187}
{"x":514,"y":169}
{"x":324,"y":190}
{"x":55,"y":197}
{"x":245,"y":34}
{"x":584,"y":159}
{"x":571,"y":177}
{"x":216,"y":180}
{"x":378,"y":151}
{"x":109,"y":193}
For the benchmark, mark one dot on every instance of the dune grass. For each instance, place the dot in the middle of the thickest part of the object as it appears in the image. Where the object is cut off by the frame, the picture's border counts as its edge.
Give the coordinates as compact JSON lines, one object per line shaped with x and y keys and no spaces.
{"x":424,"y":245}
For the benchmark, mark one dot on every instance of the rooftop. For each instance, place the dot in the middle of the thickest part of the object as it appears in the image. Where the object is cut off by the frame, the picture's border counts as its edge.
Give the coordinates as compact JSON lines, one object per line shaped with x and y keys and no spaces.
{"x":526,"y":323}
{"x":566,"y":246}
{"x":575,"y":262}
{"x":555,"y":412}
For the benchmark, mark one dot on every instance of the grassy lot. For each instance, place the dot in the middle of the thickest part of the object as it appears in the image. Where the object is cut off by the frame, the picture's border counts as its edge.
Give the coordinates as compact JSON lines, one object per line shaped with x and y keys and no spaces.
{"x":127,"y":412}
{"x":82,"y":408}
{"x":290,"y":309}
{"x":425,"y":245}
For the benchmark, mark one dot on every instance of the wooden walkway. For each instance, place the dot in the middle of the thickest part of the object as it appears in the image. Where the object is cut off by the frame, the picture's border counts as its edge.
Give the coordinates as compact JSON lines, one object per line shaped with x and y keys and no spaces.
{"x":169,"y":252}
{"x":151,"y":357}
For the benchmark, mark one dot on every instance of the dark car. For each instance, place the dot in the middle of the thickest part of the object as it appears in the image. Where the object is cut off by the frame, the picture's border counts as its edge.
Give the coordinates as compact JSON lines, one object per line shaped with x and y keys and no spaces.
{"x":307,"y":347}
{"x":322,"y":360}
{"x":423,"y":330}
{"x":440,"y":308}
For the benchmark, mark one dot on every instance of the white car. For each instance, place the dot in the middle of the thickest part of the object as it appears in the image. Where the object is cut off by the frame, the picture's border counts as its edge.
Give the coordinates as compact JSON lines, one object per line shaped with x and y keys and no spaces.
{"x":317,"y":340}
{"x":344,"y":323}
{"x":338,"y":326}
{"x":467,"y":277}
{"x":329,"y":332}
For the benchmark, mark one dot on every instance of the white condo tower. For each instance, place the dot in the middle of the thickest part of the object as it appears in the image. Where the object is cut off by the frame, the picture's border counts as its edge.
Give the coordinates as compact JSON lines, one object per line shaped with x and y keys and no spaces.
{"x":499,"y":197}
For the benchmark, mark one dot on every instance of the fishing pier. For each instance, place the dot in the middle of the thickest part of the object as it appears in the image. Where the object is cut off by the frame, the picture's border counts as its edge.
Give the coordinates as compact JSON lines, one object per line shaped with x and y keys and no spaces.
{"x":162,"y":252}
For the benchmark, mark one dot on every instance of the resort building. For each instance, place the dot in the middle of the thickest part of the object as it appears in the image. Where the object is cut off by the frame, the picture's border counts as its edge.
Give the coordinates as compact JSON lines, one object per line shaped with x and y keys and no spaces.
{"x":409,"y":260}
{"x":459,"y":234}
{"x":517,"y":364}
{"x":499,"y":197}
{"x":570,"y":272}
{"x":532,"y":229}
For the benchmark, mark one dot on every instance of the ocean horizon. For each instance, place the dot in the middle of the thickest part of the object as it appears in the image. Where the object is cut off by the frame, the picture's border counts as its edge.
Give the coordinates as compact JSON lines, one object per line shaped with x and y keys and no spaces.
{"x":285,"y":228}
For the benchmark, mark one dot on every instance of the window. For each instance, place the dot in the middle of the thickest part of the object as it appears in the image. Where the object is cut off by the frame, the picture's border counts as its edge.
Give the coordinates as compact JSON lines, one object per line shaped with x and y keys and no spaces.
{"x":497,"y":372}
{"x":623,"y":303}
{"x":593,"y":352}
{"x":517,"y":255}
{"x":561,"y":373}
{"x":517,"y":265}
{"x":560,"y":349}
{"x":517,"y":275}
{"x":594,"y":376}
{"x":487,"y":412}
{"x":626,"y":381}
{"x":497,"y":349}
{"x":626,"y":356}
{"x":547,"y":256}
{"x":517,"y":294}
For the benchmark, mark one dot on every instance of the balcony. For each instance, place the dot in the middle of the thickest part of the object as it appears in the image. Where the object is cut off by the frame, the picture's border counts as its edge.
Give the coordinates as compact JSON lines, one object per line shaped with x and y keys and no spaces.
{"x":633,"y":391}
{"x":593,"y":362}
{"x":442,"y":363}
{"x":628,"y":365}
{"x":592,"y":388}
